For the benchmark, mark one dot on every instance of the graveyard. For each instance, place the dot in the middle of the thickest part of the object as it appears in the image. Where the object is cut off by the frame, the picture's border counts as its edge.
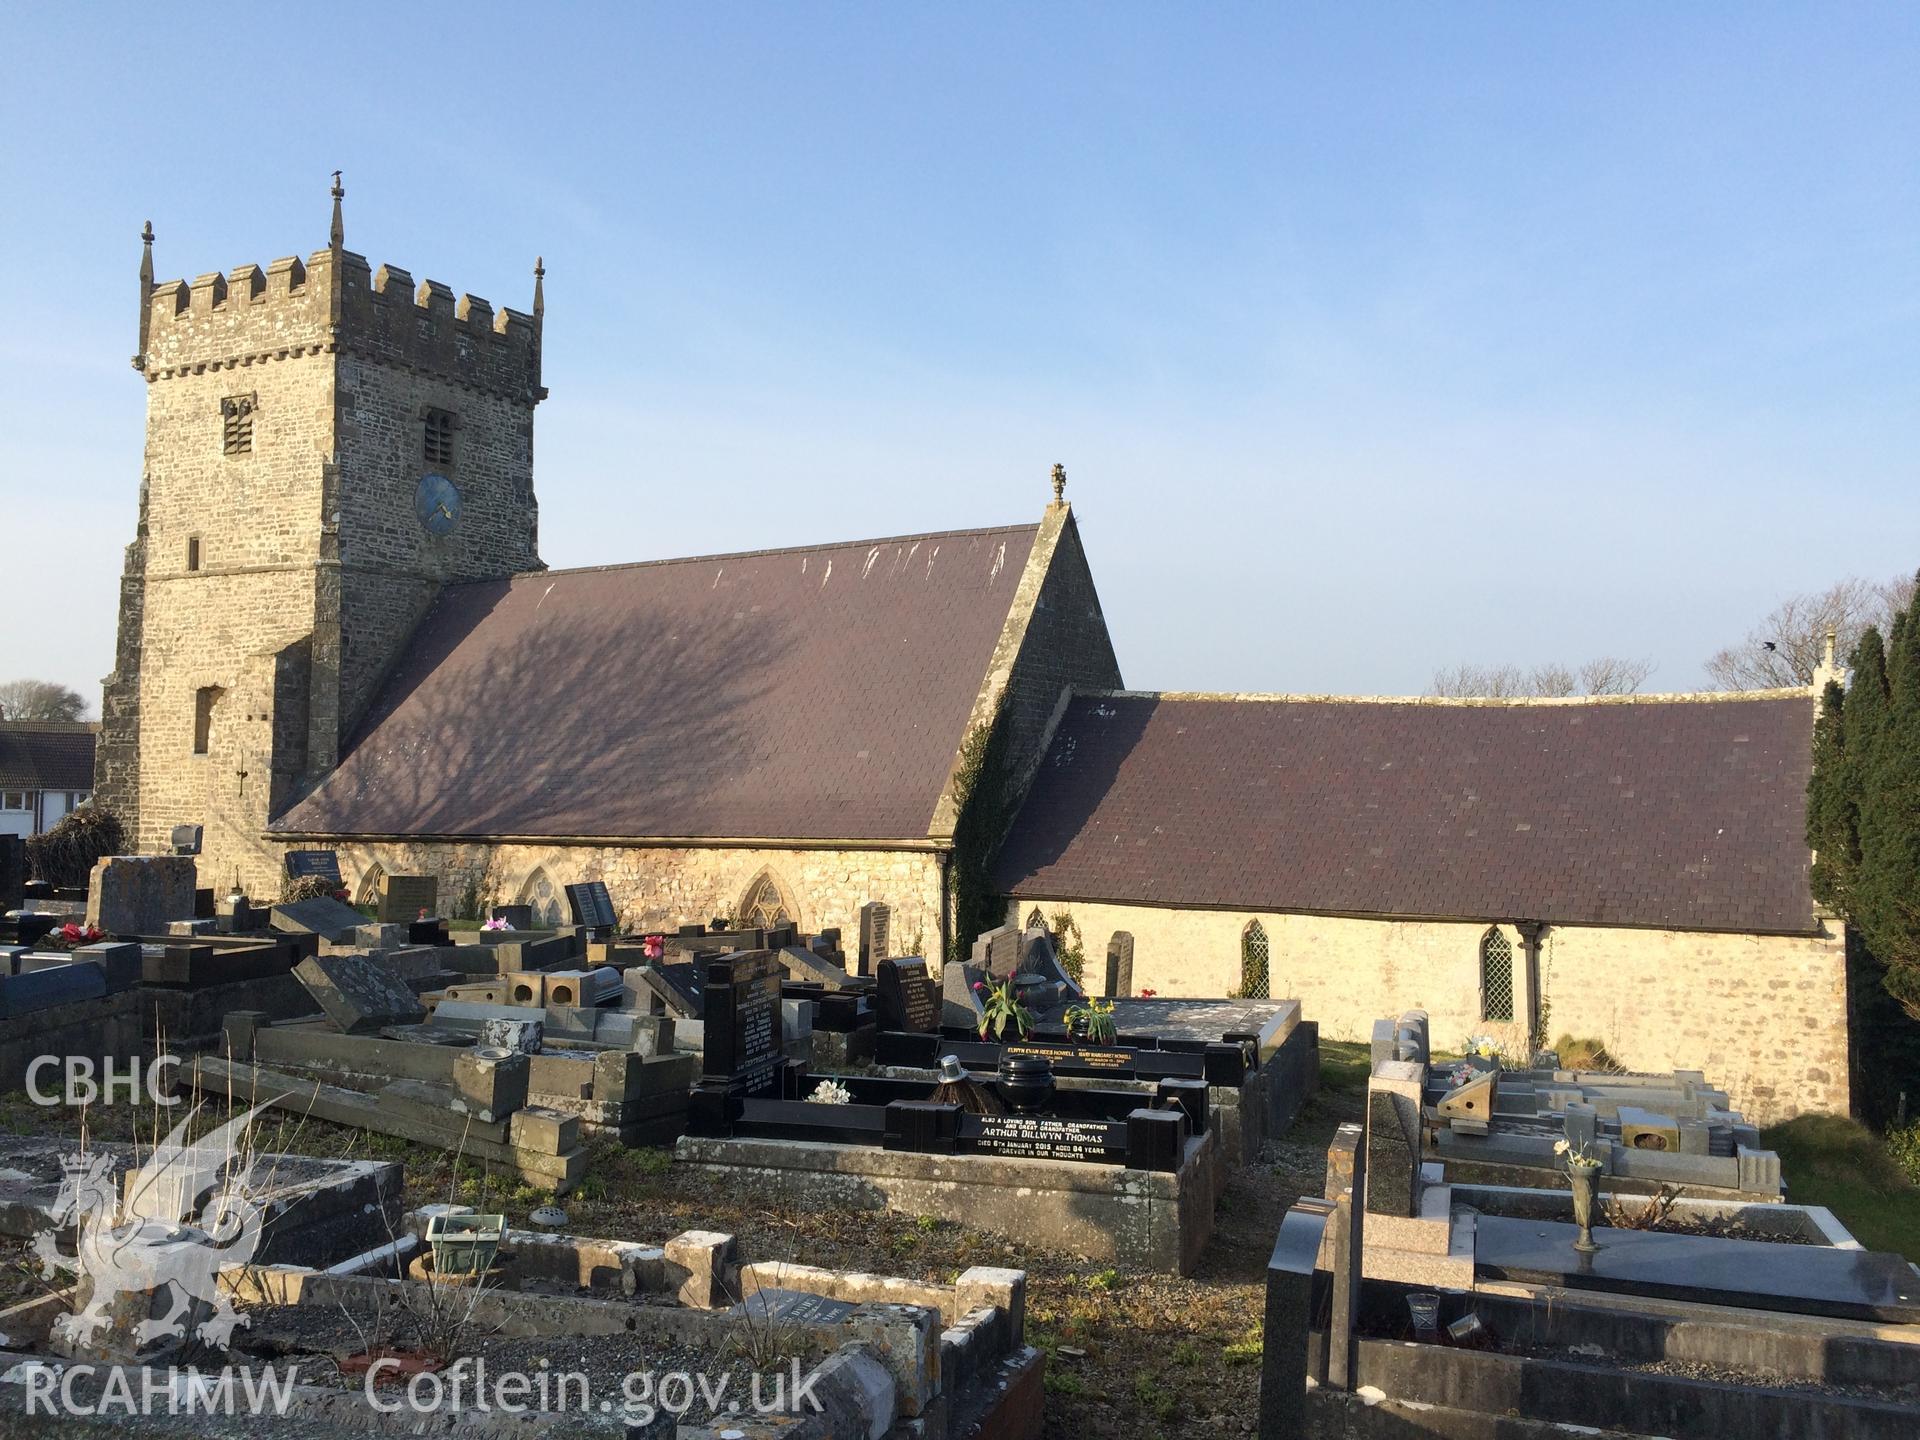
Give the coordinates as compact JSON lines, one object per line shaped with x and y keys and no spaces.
{"x":973,"y":1198}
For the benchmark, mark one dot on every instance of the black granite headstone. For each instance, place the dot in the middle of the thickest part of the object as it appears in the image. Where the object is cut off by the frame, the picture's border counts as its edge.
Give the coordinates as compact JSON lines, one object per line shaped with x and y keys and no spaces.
{"x":677,"y":983}
{"x":518,"y":917}
{"x":906,"y":997}
{"x":13,"y":871}
{"x":592,"y":906}
{"x":301,"y":863}
{"x":744,"y":1040}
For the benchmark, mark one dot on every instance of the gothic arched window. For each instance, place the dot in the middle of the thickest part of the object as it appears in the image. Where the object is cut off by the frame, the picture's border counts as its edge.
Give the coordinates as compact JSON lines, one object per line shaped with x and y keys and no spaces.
{"x":765,"y":905}
{"x":539,"y":893}
{"x":1496,"y":975}
{"x":1253,"y":961}
{"x":1035,"y":920}
{"x":369,"y":891}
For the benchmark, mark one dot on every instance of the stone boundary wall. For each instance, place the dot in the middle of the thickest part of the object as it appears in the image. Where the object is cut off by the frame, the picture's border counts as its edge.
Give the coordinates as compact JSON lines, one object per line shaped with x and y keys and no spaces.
{"x":1765,"y":1016}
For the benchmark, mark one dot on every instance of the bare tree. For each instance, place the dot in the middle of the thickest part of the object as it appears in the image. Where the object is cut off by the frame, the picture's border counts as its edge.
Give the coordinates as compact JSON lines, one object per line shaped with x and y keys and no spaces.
{"x":1614,"y":675}
{"x":1784,"y":649}
{"x":40,"y":700}
{"x":1552,"y":679}
{"x":1608,"y":675}
{"x":1494,"y":682}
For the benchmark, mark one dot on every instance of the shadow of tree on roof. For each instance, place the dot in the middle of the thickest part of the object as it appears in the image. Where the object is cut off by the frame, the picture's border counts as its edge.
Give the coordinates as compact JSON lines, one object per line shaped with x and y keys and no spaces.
{"x":593,"y":725}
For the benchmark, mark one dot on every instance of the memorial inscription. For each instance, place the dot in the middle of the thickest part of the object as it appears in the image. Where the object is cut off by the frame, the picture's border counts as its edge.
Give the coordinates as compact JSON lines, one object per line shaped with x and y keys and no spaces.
{"x":405,"y":898}
{"x":592,"y":906}
{"x":908,"y":998}
{"x":1041,"y":1137}
{"x":301,"y":863}
{"x":744,"y":1042}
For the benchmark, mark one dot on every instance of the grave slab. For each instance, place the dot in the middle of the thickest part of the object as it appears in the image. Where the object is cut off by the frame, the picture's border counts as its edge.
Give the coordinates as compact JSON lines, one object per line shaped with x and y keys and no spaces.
{"x":359,"y":993}
{"x":57,"y":985}
{"x":1755,"y":1274}
{"x":323,"y":916}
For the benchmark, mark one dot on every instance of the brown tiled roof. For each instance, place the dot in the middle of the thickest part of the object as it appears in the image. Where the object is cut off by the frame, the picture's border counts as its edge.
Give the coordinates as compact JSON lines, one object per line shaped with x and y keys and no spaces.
{"x":46,"y":754}
{"x":790,"y":694}
{"x":1684,"y":814}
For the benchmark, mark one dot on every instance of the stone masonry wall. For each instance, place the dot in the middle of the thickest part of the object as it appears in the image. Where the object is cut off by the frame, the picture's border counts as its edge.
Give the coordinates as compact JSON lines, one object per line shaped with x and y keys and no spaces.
{"x":1763,"y":1016}
{"x":391,"y":566}
{"x":336,"y":367}
{"x":665,"y":888}
{"x":1066,"y":645}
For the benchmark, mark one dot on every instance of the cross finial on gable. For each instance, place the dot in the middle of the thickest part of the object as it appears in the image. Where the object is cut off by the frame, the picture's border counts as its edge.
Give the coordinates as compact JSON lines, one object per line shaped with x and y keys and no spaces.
{"x":1059,"y":484}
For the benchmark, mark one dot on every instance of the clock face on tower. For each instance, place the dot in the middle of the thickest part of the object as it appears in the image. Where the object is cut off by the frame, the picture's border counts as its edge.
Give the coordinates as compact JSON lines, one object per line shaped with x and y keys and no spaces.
{"x":437,"y":504}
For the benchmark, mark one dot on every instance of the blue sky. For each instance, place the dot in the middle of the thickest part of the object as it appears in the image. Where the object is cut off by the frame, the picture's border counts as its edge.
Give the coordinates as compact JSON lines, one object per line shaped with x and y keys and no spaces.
{"x":1374,"y":338}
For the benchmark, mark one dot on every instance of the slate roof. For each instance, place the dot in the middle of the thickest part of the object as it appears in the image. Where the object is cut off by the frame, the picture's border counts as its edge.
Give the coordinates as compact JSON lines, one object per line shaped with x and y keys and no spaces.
{"x":46,"y":754}
{"x":1682,"y":814}
{"x":816,"y":693}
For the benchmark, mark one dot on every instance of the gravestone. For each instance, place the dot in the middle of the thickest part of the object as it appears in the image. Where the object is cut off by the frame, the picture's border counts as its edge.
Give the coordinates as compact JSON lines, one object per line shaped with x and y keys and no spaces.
{"x":330,"y":919}
{"x":186,"y":839}
{"x":140,"y":894}
{"x":405,"y":898}
{"x":808,"y":965}
{"x":791,"y":1307}
{"x":302,"y":863}
{"x":998,"y":951}
{"x":1120,"y":964}
{"x":744,"y":1042}
{"x":676,"y":986}
{"x":1393,"y":1140}
{"x":13,"y":871}
{"x":876,"y":935}
{"x":906,"y":997}
{"x":518,"y":917}
{"x":960,"y":1002}
{"x":592,"y":906}
{"x":360,"y":993}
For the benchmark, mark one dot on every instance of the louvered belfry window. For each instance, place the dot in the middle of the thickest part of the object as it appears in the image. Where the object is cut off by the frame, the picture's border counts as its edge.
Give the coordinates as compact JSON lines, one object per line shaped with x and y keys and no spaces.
{"x":1496,"y":976}
{"x":439,"y":443}
{"x":236,"y":425}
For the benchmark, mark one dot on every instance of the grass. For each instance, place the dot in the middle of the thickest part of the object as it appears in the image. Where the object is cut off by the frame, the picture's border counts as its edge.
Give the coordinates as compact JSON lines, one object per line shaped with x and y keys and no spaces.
{"x":1345,"y":1065}
{"x":1836,"y":1162}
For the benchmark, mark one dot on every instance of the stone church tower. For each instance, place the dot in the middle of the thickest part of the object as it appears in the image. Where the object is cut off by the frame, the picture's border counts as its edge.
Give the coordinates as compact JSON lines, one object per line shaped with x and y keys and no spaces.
{"x":326,"y":447}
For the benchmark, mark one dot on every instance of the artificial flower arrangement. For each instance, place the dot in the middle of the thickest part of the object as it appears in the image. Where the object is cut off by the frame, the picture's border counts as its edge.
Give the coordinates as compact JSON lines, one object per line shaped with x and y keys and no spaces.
{"x":830,"y":1092}
{"x":653,"y":947}
{"x":498,"y":922}
{"x":1093,"y":1021}
{"x":71,"y":937}
{"x":998,"y":1005}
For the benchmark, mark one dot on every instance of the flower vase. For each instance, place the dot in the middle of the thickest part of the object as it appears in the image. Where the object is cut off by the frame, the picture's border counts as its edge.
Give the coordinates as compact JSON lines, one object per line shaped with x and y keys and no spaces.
{"x":1584,"y":1177}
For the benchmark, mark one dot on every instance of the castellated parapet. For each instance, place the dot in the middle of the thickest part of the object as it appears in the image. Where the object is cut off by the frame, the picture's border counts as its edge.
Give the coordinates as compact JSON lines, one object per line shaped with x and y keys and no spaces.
{"x":251,"y":316}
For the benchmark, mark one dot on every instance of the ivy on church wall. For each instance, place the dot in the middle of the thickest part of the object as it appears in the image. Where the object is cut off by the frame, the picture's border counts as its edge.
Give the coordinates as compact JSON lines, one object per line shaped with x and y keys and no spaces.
{"x":984,"y":811}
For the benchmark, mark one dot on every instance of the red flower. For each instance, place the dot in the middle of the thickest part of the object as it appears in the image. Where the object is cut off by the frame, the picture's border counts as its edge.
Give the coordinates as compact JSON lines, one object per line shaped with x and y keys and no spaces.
{"x":979,"y":984}
{"x":1147,"y":994}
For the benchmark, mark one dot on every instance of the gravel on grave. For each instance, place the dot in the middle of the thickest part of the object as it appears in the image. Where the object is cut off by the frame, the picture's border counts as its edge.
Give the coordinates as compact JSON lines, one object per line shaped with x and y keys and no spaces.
{"x":313,"y":1338}
{"x":1593,"y":1355}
